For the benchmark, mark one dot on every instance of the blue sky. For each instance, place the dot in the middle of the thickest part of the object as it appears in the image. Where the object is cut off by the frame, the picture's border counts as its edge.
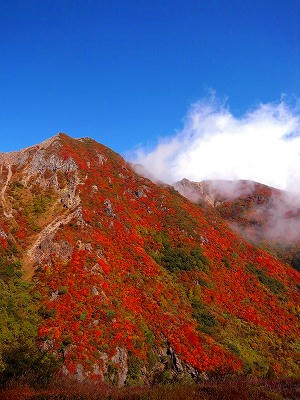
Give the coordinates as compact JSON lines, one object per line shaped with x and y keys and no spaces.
{"x":126,"y":72}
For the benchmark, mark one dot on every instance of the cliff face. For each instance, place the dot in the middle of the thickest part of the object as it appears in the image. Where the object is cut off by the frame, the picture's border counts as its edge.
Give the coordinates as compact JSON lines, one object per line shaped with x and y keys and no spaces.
{"x":136,"y":283}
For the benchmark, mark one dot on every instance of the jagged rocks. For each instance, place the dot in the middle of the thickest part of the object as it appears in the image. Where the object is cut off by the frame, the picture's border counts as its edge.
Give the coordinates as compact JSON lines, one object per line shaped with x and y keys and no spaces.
{"x":80,"y":374}
{"x":175,"y":360}
{"x":94,"y":291}
{"x":102,"y":159}
{"x":2,"y":234}
{"x":47,"y":248}
{"x":109,"y":209}
{"x":54,"y":295}
{"x":139,"y":193}
{"x":84,"y":246}
{"x":40,"y":163}
{"x":120,"y":358}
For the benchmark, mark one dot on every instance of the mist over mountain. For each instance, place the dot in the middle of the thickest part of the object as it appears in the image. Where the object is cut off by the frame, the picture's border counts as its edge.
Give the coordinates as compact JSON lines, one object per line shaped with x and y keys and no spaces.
{"x":261,"y":145}
{"x":267,"y":216}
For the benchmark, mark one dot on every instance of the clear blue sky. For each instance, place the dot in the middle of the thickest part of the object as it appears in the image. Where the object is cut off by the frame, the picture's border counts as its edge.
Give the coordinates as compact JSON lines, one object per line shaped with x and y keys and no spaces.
{"x":125,"y":72}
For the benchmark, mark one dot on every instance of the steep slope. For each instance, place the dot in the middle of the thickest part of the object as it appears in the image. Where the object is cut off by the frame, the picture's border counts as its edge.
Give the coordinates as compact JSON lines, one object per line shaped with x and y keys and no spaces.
{"x":136,"y":283}
{"x":264,"y":215}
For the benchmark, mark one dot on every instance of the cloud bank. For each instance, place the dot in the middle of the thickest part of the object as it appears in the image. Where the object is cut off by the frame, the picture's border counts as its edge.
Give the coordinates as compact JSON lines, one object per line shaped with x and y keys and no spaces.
{"x":262,"y":145}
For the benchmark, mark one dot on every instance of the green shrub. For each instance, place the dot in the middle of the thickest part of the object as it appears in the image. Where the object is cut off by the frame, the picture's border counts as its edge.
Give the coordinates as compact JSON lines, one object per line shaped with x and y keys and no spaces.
{"x":36,"y":296}
{"x":67,"y":341}
{"x":163,"y":378}
{"x":134,"y":369}
{"x":10,"y":269}
{"x":233,"y":348}
{"x":201,"y":261}
{"x":46,"y":312}
{"x":178,"y":258}
{"x":206,"y":321}
{"x":62,"y":290}
{"x":204,"y":283}
{"x":110,"y":314}
{"x":83,"y":316}
{"x":16,"y":185}
{"x":149,"y":336}
{"x":226,"y":262}
{"x":19,"y":321}
{"x":38,"y":206}
{"x":272,"y":284}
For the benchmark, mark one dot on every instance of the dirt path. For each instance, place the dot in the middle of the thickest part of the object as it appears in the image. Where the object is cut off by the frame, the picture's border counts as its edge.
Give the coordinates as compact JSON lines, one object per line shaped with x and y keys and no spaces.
{"x":49,"y":230}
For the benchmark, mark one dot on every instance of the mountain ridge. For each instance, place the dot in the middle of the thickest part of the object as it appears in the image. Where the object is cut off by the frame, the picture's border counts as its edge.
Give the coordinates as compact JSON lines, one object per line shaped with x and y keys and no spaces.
{"x":135,"y":282}
{"x":266,"y":216}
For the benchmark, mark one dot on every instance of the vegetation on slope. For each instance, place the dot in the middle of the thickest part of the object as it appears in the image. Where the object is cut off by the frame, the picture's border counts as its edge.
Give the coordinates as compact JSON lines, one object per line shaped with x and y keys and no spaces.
{"x":19,"y":321}
{"x":139,"y":285}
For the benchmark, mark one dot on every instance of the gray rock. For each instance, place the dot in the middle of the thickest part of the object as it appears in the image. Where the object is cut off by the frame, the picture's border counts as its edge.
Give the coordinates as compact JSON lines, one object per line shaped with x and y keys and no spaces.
{"x":94,"y":291}
{"x":175,"y":359}
{"x":54,"y":295}
{"x":121,"y":358}
{"x":108,"y":208}
{"x":97,"y":370}
{"x":84,"y":246}
{"x":79,"y":373}
{"x":48,"y":248}
{"x":139,"y":193}
{"x":102,"y":159}
{"x":2,"y":234}
{"x":39,"y":163}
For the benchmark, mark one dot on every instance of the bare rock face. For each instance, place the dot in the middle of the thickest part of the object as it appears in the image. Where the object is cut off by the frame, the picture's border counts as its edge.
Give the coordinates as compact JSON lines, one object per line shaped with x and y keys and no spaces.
{"x":54,"y":295}
{"x":139,"y":193}
{"x":94,"y":291}
{"x":43,"y":247}
{"x":48,"y":248}
{"x":84,"y":246}
{"x":102,"y":159}
{"x":19,"y":159}
{"x":79,"y":373}
{"x":40,"y":170}
{"x":2,"y":234}
{"x":195,"y":191}
{"x":108,"y":208}
{"x":175,"y":360}
{"x":40,"y":163}
{"x":69,"y":197}
{"x":118,"y":376}
{"x":120,"y":358}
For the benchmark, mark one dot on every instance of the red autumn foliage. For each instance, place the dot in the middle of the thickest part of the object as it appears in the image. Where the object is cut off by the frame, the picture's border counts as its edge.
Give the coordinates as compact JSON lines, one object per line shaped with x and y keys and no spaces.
{"x":113,"y":290}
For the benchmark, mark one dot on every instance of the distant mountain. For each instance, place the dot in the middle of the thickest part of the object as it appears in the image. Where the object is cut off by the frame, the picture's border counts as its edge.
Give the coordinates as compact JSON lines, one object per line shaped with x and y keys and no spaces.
{"x":133,"y":282}
{"x":264,"y":215}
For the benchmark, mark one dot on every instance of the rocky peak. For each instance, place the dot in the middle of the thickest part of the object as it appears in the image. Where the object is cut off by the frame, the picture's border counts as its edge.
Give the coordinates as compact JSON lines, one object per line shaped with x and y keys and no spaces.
{"x":196,"y":191}
{"x":135,"y":281}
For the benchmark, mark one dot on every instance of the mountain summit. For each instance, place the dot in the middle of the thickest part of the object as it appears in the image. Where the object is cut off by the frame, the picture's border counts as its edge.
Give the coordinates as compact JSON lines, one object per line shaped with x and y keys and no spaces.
{"x":134,"y":282}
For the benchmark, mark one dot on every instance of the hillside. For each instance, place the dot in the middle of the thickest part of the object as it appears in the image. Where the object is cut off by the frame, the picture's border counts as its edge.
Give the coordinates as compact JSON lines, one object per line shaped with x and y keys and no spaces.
{"x":266,"y":216}
{"x":132,"y":282}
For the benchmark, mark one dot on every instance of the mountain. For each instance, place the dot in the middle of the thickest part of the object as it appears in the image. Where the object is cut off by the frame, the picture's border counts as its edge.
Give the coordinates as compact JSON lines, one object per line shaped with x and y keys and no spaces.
{"x":132,"y":282}
{"x":266,"y":216}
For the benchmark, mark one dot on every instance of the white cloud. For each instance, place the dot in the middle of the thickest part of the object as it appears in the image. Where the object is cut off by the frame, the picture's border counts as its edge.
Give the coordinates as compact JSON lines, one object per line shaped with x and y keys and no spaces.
{"x":262,"y":145}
